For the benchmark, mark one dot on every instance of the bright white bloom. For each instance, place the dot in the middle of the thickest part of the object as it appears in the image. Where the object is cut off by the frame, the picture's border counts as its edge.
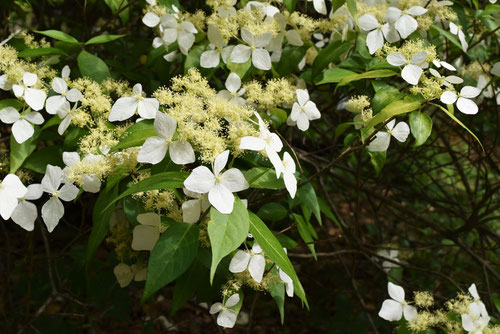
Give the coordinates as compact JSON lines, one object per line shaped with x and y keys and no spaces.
{"x":391,"y":254}
{"x":289,"y":174}
{"x":90,"y":183}
{"x":22,"y":127}
{"x":267,"y":141}
{"x":35,"y":98}
{"x":475,"y":320}
{"x":482,"y":85}
{"x":233,"y":92}
{"x":211,"y":58}
{"x":403,"y":21}
{"x":448,"y":81}
{"x":444,"y":64}
{"x":455,"y":30}
{"x":477,"y":301}
{"x":463,"y":99}
{"x":193,"y":208}
{"x":304,"y":110}
{"x":26,"y":212}
{"x":5,"y":84}
{"x":66,"y":114}
{"x":54,"y":103}
{"x":377,"y":32}
{"x":148,"y":232}
{"x":261,"y":58}
{"x":319,"y":6}
{"x":322,"y":40}
{"x":220,"y":187}
{"x":276,"y":43}
{"x":125,"y":107}
{"x":182,"y":32}
{"x":151,"y":19}
{"x":11,"y":189}
{"x":227,"y":9}
{"x":252,"y":260}
{"x":267,"y":9}
{"x":125,"y":274}
{"x":393,"y":309}
{"x":495,"y":69}
{"x":53,"y":209}
{"x":65,"y":72}
{"x":226,"y":317}
{"x":413,"y":68}
{"x":155,"y":148}
{"x":382,"y":139}
{"x":286,"y":279}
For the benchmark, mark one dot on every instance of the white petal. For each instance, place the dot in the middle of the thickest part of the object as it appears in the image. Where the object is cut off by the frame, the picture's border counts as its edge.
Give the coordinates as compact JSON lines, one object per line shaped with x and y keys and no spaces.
{"x":469,"y":92}
{"x":54,"y":103}
{"x":13,"y":186}
{"x":256,"y":267}
{"x":185,"y":40}
{"x":233,"y":82}
{"x":227,"y":318}
{"x":52,"y":179}
{"x":410,"y":312}
{"x":288,"y":282}
{"x":234,"y":180}
{"x":9,"y":115}
{"x":189,"y":27}
{"x":59,"y":85}
{"x":34,"y":117}
{"x":64,"y":125}
{"x":191,"y":210}
{"x":221,"y":198}
{"x":123,"y":109}
{"x":210,"y":59}
{"x":241,"y":53}
{"x":320,"y":6}
{"x":22,"y":130}
{"x":275,"y":160}
{"x":374,"y":40}
{"x":302,"y":122}
{"x":35,"y":191}
{"x":29,"y":79}
{"x":261,"y":59}
{"x":252,"y":143}
{"x":220,"y":162}
{"x":411,"y":74}
{"x":401,"y":131}
{"x":495,"y":70}
{"x":263,"y":40}
{"x":392,"y":14}
{"x":25,"y":215}
{"x":145,"y":237}
{"x":302,"y":96}
{"x":226,"y":52}
{"x":406,"y":25}
{"x":396,"y":59}
{"x":91,"y":183}
{"x":70,"y":158}
{"x":448,"y":97}
{"x":293,"y":38}
{"x":290,"y":183}
{"x":380,"y":143}
{"x":418,"y":58}
{"x":5,"y":83}
{"x":391,"y":124}
{"x":368,"y":22}
{"x":390,"y":33}
{"x":453,"y":79}
{"x":66,"y":71}
{"x":215,"y":308}
{"x":232,"y":301}
{"x":391,"y":310}
{"x":151,"y":19}
{"x":8,"y":204}
{"x":214,"y":35}
{"x":200,"y":181}
{"x":448,"y":66}
{"x":239,"y":262}
{"x":312,"y":111}
{"x":52,"y":212}
{"x":181,"y":152}
{"x":148,"y":108}
{"x":467,"y":106}
{"x":68,"y":192}
{"x":463,"y":41}
{"x":153,"y":150}
{"x":35,"y":98}
{"x":165,"y":125}
{"x":473,"y":291}
{"x":396,"y":292}
{"x":247,"y":36}
{"x":74,"y":95}
{"x":149,"y":219}
{"x":468,"y":323}
{"x":123,"y":274}
{"x":416,"y":11}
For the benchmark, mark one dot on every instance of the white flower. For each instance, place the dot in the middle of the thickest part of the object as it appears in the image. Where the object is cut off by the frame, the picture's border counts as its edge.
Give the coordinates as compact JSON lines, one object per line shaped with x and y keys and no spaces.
{"x":220,"y":187}
{"x":413,"y":68}
{"x":233,"y":92}
{"x":495,"y":69}
{"x":448,"y":81}
{"x":403,"y":21}
{"x":151,"y":20}
{"x":11,"y":189}
{"x":22,"y":129}
{"x":444,"y":64}
{"x":286,"y":279}
{"x":319,"y":6}
{"x":155,"y":148}
{"x":182,"y":32}
{"x":125,"y":107}
{"x":148,"y":232}
{"x":90,"y":183}
{"x":463,"y":99}
{"x":383,"y":139}
{"x":392,"y":309}
{"x":391,"y":254}
{"x":261,"y":58}
{"x":35,"y":98}
{"x":26,"y":212}
{"x":289,"y":174}
{"x":227,"y":9}
{"x":252,"y":260}
{"x":65,"y":72}
{"x":479,"y":305}
{"x":304,"y":110}
{"x":54,"y":103}
{"x":475,"y":320}
{"x":5,"y":84}
{"x":192,"y":209}
{"x":226,"y":317}
{"x":377,"y":32}
{"x":125,"y":274}
{"x":267,"y":9}
{"x":276,"y":43}
{"x":211,"y":58}
{"x":482,"y":83}
{"x":65,"y":112}
{"x":455,"y":30}
{"x":322,"y":40}
{"x":53,"y":209}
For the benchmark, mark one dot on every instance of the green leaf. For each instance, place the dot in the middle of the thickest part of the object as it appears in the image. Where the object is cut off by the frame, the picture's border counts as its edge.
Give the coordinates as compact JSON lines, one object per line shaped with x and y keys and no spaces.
{"x":384,"y":96}
{"x":38,"y":161}
{"x":273,"y":249}
{"x":20,"y":152}
{"x":306,"y":196}
{"x":11,"y":103}
{"x":335,"y":74}
{"x":290,"y":5}
{"x":272,"y":211}
{"x":351,"y":6}
{"x":226,"y":232}
{"x":93,"y":67}
{"x":136,"y":135}
{"x":393,"y":109}
{"x":59,"y":35}
{"x":193,"y":58}
{"x":336,"y":4}
{"x":278,"y":115}
{"x":171,"y":257}
{"x":330,"y":54}
{"x":239,"y":68}
{"x":377,"y":159}
{"x":277,"y":291}
{"x":362,"y":48}
{"x":367,"y":75}
{"x":187,"y":285}
{"x":421,"y":127}
{"x":290,"y":59}
{"x":305,"y":234}
{"x":263,"y":178}
{"x":31,"y":53}
{"x":103,"y":39}
{"x":341,"y":128}
{"x":117,"y":5}
{"x":448,"y":35}
{"x":325,"y":209}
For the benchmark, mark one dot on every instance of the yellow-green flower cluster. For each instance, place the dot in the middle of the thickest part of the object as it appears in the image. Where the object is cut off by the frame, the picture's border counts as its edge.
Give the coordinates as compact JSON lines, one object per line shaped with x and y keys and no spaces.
{"x":273,"y":94}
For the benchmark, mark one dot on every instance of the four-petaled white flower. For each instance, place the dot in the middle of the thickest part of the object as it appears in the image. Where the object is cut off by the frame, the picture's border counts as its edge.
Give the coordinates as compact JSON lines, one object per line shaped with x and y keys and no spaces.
{"x":22,"y":129}
{"x":35,"y":98}
{"x":304,"y":110}
{"x":193,"y":208}
{"x":476,"y":319}
{"x":125,"y":274}
{"x":55,"y":102}
{"x":449,"y":80}
{"x":148,"y":232}
{"x":226,"y":317}
{"x":261,"y":58}
{"x":403,"y":20}
{"x":391,"y":254}
{"x":211,"y":58}
{"x":155,"y":148}
{"x":413,"y":68}
{"x":53,"y":209}
{"x":26,"y":212}
{"x":90,"y":183}
{"x":382,"y":139}
{"x":11,"y":189}
{"x":455,"y":30}
{"x":220,"y":187}
{"x":65,"y":112}
{"x":322,"y":40}
{"x":463,"y":99}
{"x":477,"y":300}
{"x":444,"y":64}
{"x":377,"y":32}
{"x":182,"y":32}
{"x":319,"y":6}
{"x":252,"y":260}
{"x":233,"y":92}
{"x":289,"y":174}
{"x":266,"y":8}
{"x":393,"y":309}
{"x":125,"y":107}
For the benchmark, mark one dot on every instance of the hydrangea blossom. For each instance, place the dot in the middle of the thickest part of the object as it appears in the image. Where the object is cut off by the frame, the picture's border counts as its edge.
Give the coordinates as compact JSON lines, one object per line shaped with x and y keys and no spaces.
{"x":220,"y":187}
{"x":35,"y":98}
{"x":455,"y":30}
{"x":182,"y":32}
{"x":261,"y":58}
{"x":391,"y":254}
{"x":125,"y":274}
{"x":90,"y":183}
{"x":211,"y":58}
{"x":475,"y":320}
{"x":304,"y":110}
{"x":155,"y":148}
{"x":65,"y":112}
{"x":192,"y":209}
{"x":226,"y":317}
{"x":382,"y":139}
{"x":478,"y":304}
{"x":403,"y":21}
{"x":227,"y":9}
{"x":449,"y":80}
{"x":413,"y":68}
{"x":267,"y":9}
{"x":319,"y":6}
{"x":393,"y":309}
{"x":26,"y":212}
{"x":252,"y":260}
{"x":22,"y":125}
{"x":289,"y":174}
{"x":463,"y":99}
{"x":377,"y":32}
{"x":11,"y":189}
{"x":322,"y":40}
{"x":125,"y":107}
{"x":148,"y":232}
{"x":55,"y":102}
{"x":233,"y":91}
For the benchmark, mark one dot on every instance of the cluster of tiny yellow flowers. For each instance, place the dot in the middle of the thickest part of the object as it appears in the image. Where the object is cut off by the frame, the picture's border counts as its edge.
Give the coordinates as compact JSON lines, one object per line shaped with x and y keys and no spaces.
{"x":408,"y":49}
{"x":423,"y":299}
{"x":378,"y":10}
{"x":275,"y":93}
{"x":360,"y":105}
{"x":268,"y":280}
{"x":231,"y":287}
{"x":306,"y":25}
{"x":4,"y":159}
{"x":94,"y":102}
{"x":120,"y":236}
{"x":118,"y":87}
{"x":459,"y":304}
{"x":102,"y":135}
{"x":429,"y":87}
{"x":30,"y":42}
{"x":423,"y":321}
{"x":197,"y":19}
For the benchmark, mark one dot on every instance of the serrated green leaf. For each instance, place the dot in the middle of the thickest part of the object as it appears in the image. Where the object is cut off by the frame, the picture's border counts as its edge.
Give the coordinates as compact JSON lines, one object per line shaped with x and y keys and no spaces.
{"x":421,"y":127}
{"x":92,"y":66}
{"x":103,"y":39}
{"x":59,"y":35}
